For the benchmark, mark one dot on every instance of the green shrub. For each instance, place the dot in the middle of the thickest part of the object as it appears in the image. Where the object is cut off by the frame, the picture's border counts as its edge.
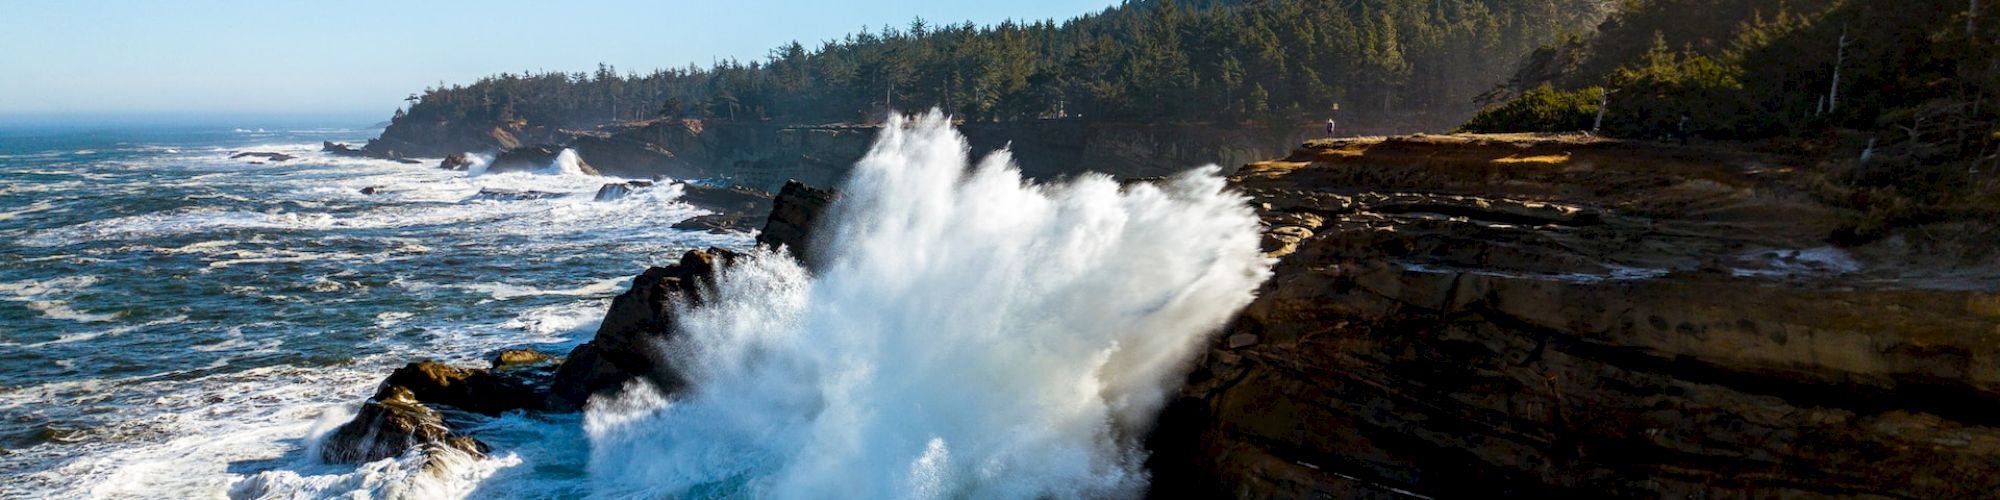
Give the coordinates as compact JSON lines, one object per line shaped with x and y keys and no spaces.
{"x":1665,"y":85}
{"x":1543,"y":109}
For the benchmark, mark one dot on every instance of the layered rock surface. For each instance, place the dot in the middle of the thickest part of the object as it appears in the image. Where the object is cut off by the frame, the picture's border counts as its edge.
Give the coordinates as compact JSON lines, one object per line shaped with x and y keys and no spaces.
{"x":1476,"y":316}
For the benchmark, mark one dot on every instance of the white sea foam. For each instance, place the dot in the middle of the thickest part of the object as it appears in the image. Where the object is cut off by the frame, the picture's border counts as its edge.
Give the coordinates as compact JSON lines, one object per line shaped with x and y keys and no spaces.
{"x":38,"y":206}
{"x":391,"y":318}
{"x":234,"y":409}
{"x":567,"y":163}
{"x":50,"y":297}
{"x":107,"y":332}
{"x":970,"y":336}
{"x":573,"y":320}
{"x":408,"y":198}
{"x":476,"y":163}
{"x":228,"y":425}
{"x":505,"y":291}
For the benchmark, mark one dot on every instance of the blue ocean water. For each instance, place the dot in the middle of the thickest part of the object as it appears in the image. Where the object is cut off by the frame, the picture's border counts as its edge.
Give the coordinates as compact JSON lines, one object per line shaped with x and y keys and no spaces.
{"x":174,"y":322}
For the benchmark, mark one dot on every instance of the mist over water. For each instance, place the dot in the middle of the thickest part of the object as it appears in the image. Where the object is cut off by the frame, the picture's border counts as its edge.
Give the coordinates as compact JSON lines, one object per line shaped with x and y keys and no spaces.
{"x":969,"y":335}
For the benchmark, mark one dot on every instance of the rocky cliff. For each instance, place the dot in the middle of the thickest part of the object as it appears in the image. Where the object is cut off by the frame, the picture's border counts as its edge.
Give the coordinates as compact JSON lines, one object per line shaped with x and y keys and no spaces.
{"x":1476,"y":316}
{"x":412,"y":138}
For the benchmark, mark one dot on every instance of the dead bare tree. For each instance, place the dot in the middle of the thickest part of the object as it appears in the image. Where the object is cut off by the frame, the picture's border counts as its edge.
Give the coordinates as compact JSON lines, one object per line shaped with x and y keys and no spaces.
{"x":1603,"y":103}
{"x":1839,"y":59}
{"x":1971,"y":18}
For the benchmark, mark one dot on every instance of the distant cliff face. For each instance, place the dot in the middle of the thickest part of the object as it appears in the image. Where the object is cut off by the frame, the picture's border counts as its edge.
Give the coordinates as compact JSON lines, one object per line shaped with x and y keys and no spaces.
{"x":409,"y":138}
{"x":1481,"y":316}
{"x":764,"y":155}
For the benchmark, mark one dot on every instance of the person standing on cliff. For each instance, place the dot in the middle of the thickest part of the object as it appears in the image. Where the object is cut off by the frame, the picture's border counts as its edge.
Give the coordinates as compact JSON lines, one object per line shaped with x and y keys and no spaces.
{"x":1681,"y":131}
{"x":1329,"y":128}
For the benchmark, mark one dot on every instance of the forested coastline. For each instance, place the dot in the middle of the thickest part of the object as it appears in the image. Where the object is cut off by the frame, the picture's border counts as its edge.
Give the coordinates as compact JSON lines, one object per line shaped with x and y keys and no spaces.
{"x":1418,"y":63}
{"x":1896,"y":98}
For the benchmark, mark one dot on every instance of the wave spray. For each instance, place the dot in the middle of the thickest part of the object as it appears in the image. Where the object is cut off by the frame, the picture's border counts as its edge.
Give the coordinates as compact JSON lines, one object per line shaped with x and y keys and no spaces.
{"x":968,"y":335}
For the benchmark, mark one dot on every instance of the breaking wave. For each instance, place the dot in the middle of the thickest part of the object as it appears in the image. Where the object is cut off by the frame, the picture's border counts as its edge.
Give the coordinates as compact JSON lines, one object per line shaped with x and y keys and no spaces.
{"x":968,"y":335}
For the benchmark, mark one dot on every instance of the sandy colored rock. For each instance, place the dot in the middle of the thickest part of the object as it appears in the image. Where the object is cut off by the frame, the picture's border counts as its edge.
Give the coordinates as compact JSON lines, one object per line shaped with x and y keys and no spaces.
{"x":1471,"y":316}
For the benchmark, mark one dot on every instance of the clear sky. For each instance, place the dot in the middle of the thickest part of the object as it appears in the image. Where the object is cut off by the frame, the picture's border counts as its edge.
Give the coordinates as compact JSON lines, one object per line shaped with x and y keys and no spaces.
{"x":81,"y":59}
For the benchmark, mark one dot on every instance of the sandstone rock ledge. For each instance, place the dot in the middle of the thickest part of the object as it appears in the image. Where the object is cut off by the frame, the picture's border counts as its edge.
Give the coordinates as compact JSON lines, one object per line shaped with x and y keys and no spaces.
{"x":1477,"y":316}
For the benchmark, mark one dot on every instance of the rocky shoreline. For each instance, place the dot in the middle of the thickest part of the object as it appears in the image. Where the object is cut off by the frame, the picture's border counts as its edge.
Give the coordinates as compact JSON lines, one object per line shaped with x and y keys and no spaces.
{"x":1478,"y":315}
{"x":1548,"y":317}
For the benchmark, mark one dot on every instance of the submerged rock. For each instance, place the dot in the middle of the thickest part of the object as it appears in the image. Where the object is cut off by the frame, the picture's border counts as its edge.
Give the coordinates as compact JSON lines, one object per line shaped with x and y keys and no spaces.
{"x":390,"y":424}
{"x":272,"y":157}
{"x":497,"y":194}
{"x":616,"y":190}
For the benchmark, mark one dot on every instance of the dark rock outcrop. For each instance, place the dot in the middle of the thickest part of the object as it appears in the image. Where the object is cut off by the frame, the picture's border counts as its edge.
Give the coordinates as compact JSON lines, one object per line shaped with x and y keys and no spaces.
{"x":1482,"y":316}
{"x":638,"y":321}
{"x":405,"y":411}
{"x":443,"y":137}
{"x":455,"y":161}
{"x":642,"y":317}
{"x":339,"y":149}
{"x":794,"y":214}
{"x":727,"y":200}
{"x":537,"y":158}
{"x":633,"y":155}
{"x":390,"y":424}
{"x":513,"y":359}
{"x":470,"y":389}
{"x":718,"y":223}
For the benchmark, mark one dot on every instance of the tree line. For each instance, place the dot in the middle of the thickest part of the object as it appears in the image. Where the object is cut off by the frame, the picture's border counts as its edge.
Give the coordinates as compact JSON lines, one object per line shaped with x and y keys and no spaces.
{"x":1905,"y":91}
{"x":1414,"y":63}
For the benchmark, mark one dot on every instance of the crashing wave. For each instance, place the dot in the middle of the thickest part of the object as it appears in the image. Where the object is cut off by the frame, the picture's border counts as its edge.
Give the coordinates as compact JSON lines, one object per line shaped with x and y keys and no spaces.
{"x":968,"y":335}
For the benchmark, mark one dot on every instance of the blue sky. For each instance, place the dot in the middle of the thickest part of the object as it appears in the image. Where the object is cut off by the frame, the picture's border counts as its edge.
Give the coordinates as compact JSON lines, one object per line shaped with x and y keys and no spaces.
{"x":123,"y":59}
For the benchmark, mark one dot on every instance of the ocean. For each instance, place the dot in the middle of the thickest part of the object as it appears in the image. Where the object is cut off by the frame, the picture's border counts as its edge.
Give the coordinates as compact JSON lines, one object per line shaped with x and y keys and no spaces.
{"x":178,"y":323}
{"x":172,"y":319}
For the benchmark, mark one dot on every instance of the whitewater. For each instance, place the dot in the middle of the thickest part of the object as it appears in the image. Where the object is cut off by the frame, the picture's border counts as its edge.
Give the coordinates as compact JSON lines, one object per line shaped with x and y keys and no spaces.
{"x":189,"y":325}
